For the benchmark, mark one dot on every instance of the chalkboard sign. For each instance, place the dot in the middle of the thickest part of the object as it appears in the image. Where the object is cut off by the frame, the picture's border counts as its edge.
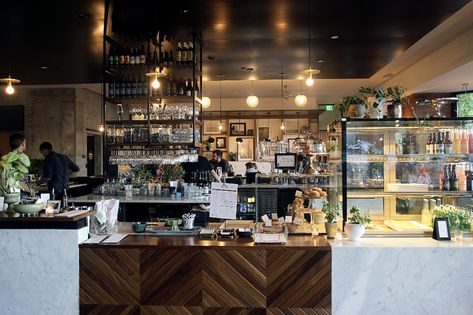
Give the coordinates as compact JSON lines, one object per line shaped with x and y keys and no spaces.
{"x":12,"y":118}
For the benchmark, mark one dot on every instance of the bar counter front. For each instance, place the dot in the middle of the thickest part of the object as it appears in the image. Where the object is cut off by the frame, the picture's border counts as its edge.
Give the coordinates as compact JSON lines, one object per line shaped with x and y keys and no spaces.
{"x":187,"y":275}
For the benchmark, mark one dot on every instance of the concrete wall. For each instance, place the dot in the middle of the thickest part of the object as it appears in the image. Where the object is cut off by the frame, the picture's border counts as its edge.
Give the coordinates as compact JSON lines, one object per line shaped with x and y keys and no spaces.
{"x":62,"y":116}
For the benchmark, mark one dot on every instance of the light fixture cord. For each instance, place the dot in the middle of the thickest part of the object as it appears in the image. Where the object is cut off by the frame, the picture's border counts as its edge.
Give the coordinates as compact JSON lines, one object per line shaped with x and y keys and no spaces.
{"x":220,"y":75}
{"x":308,"y":26}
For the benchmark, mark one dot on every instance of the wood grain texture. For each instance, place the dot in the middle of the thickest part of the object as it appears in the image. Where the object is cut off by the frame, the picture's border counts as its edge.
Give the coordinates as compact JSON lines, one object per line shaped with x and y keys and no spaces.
{"x":109,"y":276}
{"x":171,"y":277}
{"x":171,"y":310}
{"x":109,"y":310}
{"x":298,"y":311}
{"x":234,"y":311}
{"x":234,"y":278}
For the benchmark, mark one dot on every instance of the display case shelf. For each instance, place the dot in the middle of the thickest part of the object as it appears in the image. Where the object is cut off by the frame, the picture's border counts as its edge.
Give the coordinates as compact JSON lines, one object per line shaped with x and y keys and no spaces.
{"x":143,"y":100}
{"x":370,"y":193}
{"x":407,"y":157}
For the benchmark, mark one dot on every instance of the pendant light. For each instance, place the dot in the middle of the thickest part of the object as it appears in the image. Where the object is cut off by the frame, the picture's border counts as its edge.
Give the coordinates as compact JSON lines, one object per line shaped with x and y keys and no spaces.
{"x":252,"y":100}
{"x":283,"y":125}
{"x":9,"y":81}
{"x":220,"y":125}
{"x":205,"y":99}
{"x":300,"y":99}
{"x":309,"y":81}
{"x":154,"y":77}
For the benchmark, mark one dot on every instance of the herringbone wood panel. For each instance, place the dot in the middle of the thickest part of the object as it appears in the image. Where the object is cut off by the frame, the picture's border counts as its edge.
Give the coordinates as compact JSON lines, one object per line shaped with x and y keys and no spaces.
{"x":109,"y":276}
{"x":171,"y":310}
{"x":171,"y":277}
{"x":234,"y":278}
{"x":298,"y":311}
{"x":109,"y":310}
{"x":234,"y":311}
{"x":298,"y":278}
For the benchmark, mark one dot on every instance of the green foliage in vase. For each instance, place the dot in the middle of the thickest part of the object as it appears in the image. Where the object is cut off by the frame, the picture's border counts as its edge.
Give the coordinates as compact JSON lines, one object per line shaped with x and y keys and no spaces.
{"x":331,"y":212}
{"x":171,"y":172}
{"x":457,"y":217}
{"x":357,"y":217}
{"x":378,"y":92}
{"x":397,"y":94}
{"x":13,"y":168}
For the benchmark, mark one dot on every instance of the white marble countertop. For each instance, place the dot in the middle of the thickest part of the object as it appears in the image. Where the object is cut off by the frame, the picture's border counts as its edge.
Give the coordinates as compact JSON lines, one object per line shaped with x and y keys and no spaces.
{"x":139,"y":199}
{"x":401,"y":242}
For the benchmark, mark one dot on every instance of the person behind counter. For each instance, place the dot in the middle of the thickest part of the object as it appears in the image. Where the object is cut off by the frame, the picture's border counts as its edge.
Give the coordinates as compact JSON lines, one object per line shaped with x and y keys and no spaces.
{"x":202,"y":165}
{"x":56,"y":170}
{"x":218,"y":161}
{"x":18,"y":143}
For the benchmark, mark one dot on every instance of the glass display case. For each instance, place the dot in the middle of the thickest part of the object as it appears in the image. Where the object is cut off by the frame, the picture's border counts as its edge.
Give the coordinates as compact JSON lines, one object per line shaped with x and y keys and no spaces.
{"x":404,"y":172}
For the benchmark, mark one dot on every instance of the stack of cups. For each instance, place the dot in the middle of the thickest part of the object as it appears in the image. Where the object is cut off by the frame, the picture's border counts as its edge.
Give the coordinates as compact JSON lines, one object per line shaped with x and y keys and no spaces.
{"x":188,"y":219}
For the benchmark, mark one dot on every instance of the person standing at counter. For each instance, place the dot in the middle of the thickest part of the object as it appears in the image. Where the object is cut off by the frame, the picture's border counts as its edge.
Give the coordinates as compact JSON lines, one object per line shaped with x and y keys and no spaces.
{"x":218,"y":161}
{"x":56,"y":170}
{"x":202,"y":165}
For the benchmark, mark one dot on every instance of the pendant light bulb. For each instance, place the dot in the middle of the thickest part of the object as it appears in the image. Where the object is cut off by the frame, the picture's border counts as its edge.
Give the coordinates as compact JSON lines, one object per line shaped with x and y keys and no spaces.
{"x":252,"y":101}
{"x":205,"y":102}
{"x":283,"y":126}
{"x":220,"y":126}
{"x":9,"y":89}
{"x":101,"y":128}
{"x":155,"y":84}
{"x":301,"y":100}
{"x":309,"y":81}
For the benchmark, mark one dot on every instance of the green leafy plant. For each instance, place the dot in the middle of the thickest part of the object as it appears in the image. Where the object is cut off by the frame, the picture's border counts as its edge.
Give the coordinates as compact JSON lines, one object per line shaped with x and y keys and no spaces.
{"x":457,"y":217}
{"x":141,"y":173}
{"x":13,"y":168}
{"x":397,"y":94}
{"x":378,"y":92}
{"x":233,"y":156}
{"x":171,"y":172}
{"x":357,"y":217}
{"x":346,"y":101}
{"x":331,"y":212}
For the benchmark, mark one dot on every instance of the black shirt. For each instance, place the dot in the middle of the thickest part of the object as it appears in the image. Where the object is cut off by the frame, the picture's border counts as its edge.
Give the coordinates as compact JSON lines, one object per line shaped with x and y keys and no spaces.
{"x":54,"y":170}
{"x":222,"y":163}
{"x":201,"y":165}
{"x":67,"y":165}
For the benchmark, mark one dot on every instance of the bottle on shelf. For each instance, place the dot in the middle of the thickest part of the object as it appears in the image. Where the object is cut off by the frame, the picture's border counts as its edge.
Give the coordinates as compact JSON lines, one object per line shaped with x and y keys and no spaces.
{"x":121,"y":58}
{"x":165,"y":59}
{"x":453,"y":179}
{"x":111,"y":56}
{"x":445,"y":179}
{"x":142,"y":55}
{"x":134,"y":87}
{"x":439,"y":149}
{"x":448,"y":145}
{"x":433,"y":145}
{"x":171,"y":59}
{"x":132,"y":57}
{"x":128,"y":86}
{"x":167,"y":87}
{"x":464,"y":142}
{"x":190,"y":53}
{"x":144,"y":86}
{"x":173,"y":86}
{"x":184,"y":54}
{"x":127,"y":56}
{"x":470,"y":140}
{"x":456,"y":141}
{"x":469,"y":178}
{"x":178,"y":53}
{"x":188,"y":89}
{"x":461,"y":177}
{"x":111,"y":89}
{"x":427,"y":144}
{"x":196,"y":87}
{"x":122,"y":87}
{"x":139,"y":87}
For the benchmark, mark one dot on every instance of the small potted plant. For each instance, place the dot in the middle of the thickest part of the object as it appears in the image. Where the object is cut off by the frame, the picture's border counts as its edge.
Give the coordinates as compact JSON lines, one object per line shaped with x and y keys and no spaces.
{"x":331,"y":215}
{"x":397,"y":96}
{"x":354,"y":106}
{"x":355,"y":227}
{"x":13,"y":168}
{"x":375,"y":98}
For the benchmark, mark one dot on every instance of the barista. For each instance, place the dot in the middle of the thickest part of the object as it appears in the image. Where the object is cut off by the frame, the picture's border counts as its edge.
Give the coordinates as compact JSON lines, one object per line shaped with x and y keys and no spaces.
{"x":202,"y":165}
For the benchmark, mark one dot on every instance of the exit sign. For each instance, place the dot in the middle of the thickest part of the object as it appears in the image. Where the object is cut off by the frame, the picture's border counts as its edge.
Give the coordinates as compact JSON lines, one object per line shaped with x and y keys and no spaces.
{"x":328,"y":107}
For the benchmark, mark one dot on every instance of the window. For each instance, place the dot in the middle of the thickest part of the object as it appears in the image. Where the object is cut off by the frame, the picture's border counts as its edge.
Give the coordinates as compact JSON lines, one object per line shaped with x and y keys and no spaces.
{"x":465,"y":104}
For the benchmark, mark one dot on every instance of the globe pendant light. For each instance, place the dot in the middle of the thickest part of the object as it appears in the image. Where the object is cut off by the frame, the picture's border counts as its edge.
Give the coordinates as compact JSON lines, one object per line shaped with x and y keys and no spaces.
{"x":252,"y":100}
{"x":301,"y":99}
{"x":9,"y":81}
{"x":205,"y":100}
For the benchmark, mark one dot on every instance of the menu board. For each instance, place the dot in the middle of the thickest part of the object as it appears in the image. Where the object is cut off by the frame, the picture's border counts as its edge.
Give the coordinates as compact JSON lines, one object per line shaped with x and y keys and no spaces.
{"x":223,"y":200}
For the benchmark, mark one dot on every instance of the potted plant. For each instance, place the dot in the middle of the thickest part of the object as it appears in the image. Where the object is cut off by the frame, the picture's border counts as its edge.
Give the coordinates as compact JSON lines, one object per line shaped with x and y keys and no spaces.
{"x":331,"y":215}
{"x":397,"y":96}
{"x":13,"y":168}
{"x":354,"y":106}
{"x":375,"y":98}
{"x":355,"y":227}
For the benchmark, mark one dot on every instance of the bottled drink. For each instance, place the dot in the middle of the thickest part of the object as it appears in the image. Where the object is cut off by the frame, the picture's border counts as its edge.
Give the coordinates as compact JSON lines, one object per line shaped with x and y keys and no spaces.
{"x":121,"y":58}
{"x":445,"y":179}
{"x":155,"y":57}
{"x":139,"y":88}
{"x":165,"y":59}
{"x":453,"y":179}
{"x":173,"y":87}
{"x":181,"y":87}
{"x":167,"y":87}
{"x":132,"y":57}
{"x":470,"y":141}
{"x":127,"y":56}
{"x":190,"y":53}
{"x":428,"y":145}
{"x":184,"y":54}
{"x":464,"y":142}
{"x":111,"y":89}
{"x":144,"y":85}
{"x":142,"y":55}
{"x":188,"y":89}
{"x":456,"y":142}
{"x":469,"y":179}
{"x":128,"y":87}
{"x":196,"y":87}
{"x":171,"y":59}
{"x":111,"y":57}
{"x":439,"y":149}
{"x":178,"y":53}
{"x":133,"y":86}
{"x":447,"y":144}
{"x":433,"y":145}
{"x":122,"y":88}
{"x":461,"y":178}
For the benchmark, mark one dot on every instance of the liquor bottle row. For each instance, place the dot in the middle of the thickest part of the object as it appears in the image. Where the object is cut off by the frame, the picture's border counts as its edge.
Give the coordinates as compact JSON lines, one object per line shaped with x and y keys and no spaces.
{"x":131,"y":86}
{"x":201,"y":179}
{"x":455,"y":177}
{"x":135,"y":56}
{"x":127,"y":56}
{"x":456,"y":141}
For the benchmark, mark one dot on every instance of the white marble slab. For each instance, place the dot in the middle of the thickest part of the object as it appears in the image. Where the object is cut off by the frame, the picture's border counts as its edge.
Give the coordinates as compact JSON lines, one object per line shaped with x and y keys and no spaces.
{"x":39,"y":271}
{"x":402,"y":276}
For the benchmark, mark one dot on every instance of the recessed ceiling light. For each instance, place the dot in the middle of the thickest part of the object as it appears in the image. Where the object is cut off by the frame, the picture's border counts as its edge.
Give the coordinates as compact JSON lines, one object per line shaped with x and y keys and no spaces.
{"x":44,"y":68}
{"x":334,"y":37}
{"x":320,"y":60}
{"x":81,"y":15}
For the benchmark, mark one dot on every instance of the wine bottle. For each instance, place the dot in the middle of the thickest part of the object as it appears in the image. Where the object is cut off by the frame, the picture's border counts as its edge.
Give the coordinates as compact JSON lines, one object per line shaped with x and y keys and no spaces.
{"x":122,"y":87}
{"x":173,"y":86}
{"x":128,"y":86}
{"x":142,"y":55}
{"x":111,"y":57}
{"x":447,"y":144}
{"x":456,"y":141}
{"x":178,"y":53}
{"x":139,"y":87}
{"x":445,"y":179}
{"x":470,"y":140}
{"x":461,"y":178}
{"x":427,"y":145}
{"x":127,"y":56}
{"x":144,"y":84}
{"x":190,"y":53}
{"x":167,"y":87}
{"x":188,"y":87}
{"x":196,"y":87}
{"x":184,"y":54}
{"x":133,"y":87}
{"x":166,"y":58}
{"x":464,"y":142}
{"x":171,"y":59}
{"x":121,"y":58}
{"x":132,"y":57}
{"x":180,"y":86}
{"x":439,"y":144}
{"x":453,"y":179}
{"x":111,"y":89}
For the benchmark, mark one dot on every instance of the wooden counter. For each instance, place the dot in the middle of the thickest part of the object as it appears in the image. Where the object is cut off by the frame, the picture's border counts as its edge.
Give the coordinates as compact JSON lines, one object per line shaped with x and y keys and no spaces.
{"x":188,"y":275}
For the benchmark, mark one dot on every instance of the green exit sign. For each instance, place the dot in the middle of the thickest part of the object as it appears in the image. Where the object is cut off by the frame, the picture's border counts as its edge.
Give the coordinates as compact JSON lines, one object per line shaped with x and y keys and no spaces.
{"x":328,"y":107}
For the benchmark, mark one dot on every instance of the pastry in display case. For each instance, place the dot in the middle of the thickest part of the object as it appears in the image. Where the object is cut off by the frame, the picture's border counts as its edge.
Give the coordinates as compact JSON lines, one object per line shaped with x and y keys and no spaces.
{"x":402,"y":170}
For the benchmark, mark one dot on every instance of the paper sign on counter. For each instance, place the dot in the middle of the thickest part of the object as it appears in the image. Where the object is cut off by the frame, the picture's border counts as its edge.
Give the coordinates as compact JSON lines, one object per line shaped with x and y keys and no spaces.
{"x":223,"y":200}
{"x":45,"y":198}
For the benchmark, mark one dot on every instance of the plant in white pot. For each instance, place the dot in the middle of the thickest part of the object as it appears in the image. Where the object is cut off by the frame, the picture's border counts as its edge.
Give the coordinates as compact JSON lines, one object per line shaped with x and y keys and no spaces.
{"x":13,"y":168}
{"x":355,"y":227}
{"x":375,"y":98}
{"x":331,"y":215}
{"x":354,"y":106}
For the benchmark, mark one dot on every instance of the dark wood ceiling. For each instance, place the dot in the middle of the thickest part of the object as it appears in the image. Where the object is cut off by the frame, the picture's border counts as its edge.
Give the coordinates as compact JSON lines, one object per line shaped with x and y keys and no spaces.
{"x":268,"y":35}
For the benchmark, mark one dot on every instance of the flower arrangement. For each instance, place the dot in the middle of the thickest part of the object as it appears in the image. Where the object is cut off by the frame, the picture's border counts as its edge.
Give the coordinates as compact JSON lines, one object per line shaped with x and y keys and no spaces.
{"x":457,"y":216}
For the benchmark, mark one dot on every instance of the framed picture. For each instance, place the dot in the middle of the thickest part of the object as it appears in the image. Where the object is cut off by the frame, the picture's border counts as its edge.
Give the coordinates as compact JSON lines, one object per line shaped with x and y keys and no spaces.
{"x":441,"y":229}
{"x":290,"y":142}
{"x":263,"y":133}
{"x":292,"y":126}
{"x":55,"y":204}
{"x":211,"y":127}
{"x":221,"y":142}
{"x":237,"y":129}
{"x":245,"y":150}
